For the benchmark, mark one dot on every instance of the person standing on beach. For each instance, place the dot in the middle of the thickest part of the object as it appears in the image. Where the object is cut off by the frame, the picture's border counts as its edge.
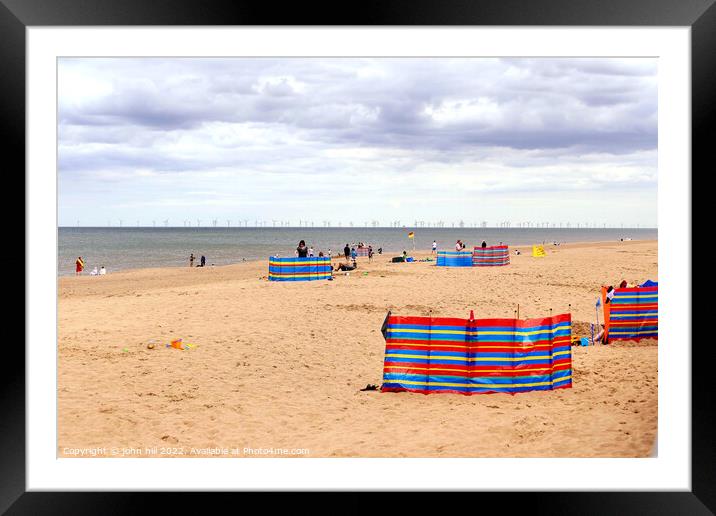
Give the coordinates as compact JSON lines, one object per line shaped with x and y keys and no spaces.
{"x":310,"y":251}
{"x":203,"y":260}
{"x":191,"y":260}
{"x":102,"y":271}
{"x":484,"y":244}
{"x":370,"y":253}
{"x":347,"y":252}
{"x":79,"y":266}
{"x":302,"y":250}
{"x":354,"y":253}
{"x":435,"y":247}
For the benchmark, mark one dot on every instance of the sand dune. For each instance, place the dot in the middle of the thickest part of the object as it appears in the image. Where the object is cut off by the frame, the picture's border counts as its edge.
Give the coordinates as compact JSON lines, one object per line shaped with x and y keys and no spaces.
{"x":279,"y":366}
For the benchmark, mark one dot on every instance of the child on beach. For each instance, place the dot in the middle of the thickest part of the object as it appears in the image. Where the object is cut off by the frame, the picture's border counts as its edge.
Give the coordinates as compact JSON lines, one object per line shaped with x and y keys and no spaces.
{"x":79,"y":265}
{"x":435,"y":247}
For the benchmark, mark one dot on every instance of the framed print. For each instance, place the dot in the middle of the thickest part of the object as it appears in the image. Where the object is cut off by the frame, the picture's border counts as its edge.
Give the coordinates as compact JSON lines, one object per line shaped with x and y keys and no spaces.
{"x":268,"y":252}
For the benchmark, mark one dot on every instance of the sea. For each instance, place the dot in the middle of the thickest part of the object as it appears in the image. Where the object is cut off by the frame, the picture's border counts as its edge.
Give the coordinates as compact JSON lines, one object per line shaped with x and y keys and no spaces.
{"x":124,"y":248}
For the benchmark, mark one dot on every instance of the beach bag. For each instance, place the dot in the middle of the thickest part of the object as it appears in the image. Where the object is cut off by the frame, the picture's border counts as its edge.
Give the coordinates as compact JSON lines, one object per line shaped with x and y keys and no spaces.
{"x":398,"y":259}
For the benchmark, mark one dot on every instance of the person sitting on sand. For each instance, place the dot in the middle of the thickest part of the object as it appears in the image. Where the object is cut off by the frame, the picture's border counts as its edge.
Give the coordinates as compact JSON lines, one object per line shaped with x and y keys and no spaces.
{"x":94,"y":271}
{"x":623,"y":284}
{"x":320,"y":254}
{"x":610,"y":294}
{"x":484,"y":244}
{"x":458,"y":245}
{"x":346,"y":267}
{"x":600,"y":335}
{"x":79,"y":265}
{"x":302,"y":250}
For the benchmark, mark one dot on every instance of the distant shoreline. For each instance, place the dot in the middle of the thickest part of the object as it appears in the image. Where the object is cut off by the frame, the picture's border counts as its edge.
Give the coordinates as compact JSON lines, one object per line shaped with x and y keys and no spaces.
{"x":417,"y":253}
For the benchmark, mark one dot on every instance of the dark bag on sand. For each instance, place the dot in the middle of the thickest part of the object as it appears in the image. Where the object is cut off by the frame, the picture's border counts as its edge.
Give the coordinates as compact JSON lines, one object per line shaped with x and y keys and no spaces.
{"x":398,"y":259}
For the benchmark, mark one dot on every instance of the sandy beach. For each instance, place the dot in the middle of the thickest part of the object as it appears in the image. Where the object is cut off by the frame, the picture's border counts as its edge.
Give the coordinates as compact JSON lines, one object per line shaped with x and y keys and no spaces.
{"x":278,"y":367}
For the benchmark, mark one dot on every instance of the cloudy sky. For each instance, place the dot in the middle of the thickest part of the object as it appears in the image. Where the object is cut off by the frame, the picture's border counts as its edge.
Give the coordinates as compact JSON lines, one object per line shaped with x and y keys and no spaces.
{"x":357,"y":140}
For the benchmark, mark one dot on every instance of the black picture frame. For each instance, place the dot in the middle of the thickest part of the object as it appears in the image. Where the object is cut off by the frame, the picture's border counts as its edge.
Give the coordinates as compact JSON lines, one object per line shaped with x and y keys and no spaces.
{"x":700,"y":15}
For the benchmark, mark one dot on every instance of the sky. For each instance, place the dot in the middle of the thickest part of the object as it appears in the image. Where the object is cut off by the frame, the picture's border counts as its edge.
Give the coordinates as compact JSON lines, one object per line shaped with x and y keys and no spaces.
{"x":288,"y":140}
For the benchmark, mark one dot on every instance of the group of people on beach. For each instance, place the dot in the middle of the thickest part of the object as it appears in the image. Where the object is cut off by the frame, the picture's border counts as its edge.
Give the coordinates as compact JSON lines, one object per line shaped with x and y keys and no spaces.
{"x":202,"y":260}
{"x":80,"y":266}
{"x":349,"y":252}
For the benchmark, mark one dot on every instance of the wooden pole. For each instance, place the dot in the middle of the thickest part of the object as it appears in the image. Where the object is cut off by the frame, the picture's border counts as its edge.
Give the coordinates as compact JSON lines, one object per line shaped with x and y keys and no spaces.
{"x":518,"y":310}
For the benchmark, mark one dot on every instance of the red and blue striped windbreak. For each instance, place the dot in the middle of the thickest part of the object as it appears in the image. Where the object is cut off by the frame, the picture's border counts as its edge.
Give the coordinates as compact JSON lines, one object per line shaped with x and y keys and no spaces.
{"x":632,"y":314}
{"x":495,"y":255}
{"x":454,"y":259}
{"x":361,"y":251}
{"x":429,"y":355}
{"x":299,"y":269}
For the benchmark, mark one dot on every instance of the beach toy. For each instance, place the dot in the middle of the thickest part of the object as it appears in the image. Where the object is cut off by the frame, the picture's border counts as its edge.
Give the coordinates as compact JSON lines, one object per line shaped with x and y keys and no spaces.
{"x":176,"y":343}
{"x":538,"y":251}
{"x":125,"y":350}
{"x":584,"y":341}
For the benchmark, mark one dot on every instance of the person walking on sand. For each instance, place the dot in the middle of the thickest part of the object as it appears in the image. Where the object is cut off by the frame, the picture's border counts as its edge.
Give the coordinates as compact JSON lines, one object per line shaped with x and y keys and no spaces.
{"x":435,"y":247}
{"x":347,"y":252}
{"x":79,"y":266}
{"x":191,"y":260}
